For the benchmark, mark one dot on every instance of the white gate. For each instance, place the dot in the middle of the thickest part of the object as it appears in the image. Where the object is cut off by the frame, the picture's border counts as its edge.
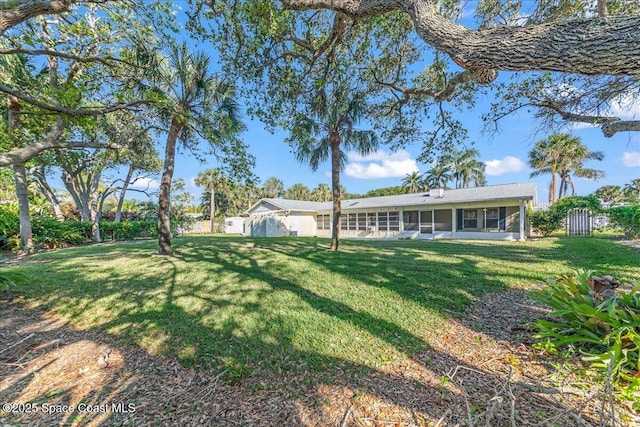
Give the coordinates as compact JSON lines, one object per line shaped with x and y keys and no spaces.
{"x":579,"y":222}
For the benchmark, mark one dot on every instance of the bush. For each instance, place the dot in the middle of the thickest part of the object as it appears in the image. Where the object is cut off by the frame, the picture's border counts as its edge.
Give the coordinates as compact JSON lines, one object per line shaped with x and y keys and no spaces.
{"x":124,"y":216}
{"x":8,"y":280}
{"x":601,"y":320}
{"x":546,"y":222}
{"x":129,"y":230}
{"x":51,"y":233}
{"x":627,"y":219}
{"x":9,"y":227}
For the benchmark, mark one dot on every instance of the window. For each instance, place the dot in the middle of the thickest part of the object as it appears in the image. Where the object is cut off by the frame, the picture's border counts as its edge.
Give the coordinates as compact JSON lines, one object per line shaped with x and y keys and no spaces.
{"x":426,"y":225}
{"x":324,"y":222}
{"x":371,"y":221}
{"x":344,"y":222}
{"x":353,"y":221}
{"x":394,"y":221}
{"x":383,"y":221}
{"x":469,"y":218}
{"x":362,"y":221}
{"x":492,"y":217}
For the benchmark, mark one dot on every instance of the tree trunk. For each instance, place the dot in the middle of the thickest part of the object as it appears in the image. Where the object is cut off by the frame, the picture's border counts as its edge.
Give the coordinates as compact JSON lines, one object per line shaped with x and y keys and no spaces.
{"x":95,"y":219}
{"x":40,"y":179}
{"x":20,"y":179}
{"x":26,"y":233}
{"x":212,"y":208}
{"x":573,"y":187}
{"x":80,"y":199}
{"x":334,"y":141}
{"x":552,"y":188}
{"x":122,"y":194}
{"x":164,"y":203}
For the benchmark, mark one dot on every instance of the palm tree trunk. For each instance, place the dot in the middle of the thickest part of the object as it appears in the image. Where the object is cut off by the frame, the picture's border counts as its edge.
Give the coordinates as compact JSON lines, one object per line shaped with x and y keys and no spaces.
{"x":164,"y":203}
{"x":563,"y":186}
{"x":573,"y":186}
{"x":552,"y":190}
{"x":212,"y":208}
{"x":334,"y":139}
{"x":122,"y":194}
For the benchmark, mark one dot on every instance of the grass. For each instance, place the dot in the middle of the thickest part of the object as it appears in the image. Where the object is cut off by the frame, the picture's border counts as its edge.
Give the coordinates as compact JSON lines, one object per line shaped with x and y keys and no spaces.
{"x":247,"y":305}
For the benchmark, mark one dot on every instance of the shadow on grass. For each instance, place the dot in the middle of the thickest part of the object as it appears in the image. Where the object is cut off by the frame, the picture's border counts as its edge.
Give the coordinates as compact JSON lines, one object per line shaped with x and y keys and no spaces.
{"x":210,"y":306}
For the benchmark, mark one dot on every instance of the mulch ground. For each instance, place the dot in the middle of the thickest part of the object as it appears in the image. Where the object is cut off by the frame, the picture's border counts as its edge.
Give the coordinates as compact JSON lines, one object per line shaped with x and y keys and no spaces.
{"x":480,"y":371}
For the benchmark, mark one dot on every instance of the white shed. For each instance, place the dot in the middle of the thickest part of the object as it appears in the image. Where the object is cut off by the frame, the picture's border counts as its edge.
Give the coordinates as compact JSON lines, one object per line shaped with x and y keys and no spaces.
{"x":234,"y":225}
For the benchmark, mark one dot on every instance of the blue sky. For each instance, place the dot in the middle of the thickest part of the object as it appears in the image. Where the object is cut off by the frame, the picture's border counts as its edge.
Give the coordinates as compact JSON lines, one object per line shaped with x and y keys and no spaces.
{"x":505,"y":155}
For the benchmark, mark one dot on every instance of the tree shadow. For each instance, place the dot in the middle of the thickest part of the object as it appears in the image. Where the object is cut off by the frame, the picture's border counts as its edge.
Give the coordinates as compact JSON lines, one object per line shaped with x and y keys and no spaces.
{"x":255,"y":354}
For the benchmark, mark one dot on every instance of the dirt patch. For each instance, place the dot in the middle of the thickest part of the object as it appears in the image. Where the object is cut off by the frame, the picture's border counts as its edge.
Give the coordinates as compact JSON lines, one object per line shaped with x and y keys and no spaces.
{"x":481,"y":370}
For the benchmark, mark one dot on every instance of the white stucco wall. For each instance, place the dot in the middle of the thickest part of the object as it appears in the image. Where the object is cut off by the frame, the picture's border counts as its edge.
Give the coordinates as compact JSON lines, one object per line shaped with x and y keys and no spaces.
{"x":234,"y":225}
{"x":280,"y":224}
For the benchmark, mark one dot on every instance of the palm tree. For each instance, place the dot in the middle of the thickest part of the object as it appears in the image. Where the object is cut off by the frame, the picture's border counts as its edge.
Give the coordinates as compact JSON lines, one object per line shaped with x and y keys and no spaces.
{"x":211,"y":179}
{"x":465,"y":168}
{"x":438,"y":176}
{"x":545,"y":157}
{"x":575,"y":155}
{"x":327,"y":131}
{"x":413,"y":182}
{"x":196,"y":103}
{"x":298,"y":192}
{"x":322,"y":193}
{"x":561,"y":155}
{"x":273,"y":187}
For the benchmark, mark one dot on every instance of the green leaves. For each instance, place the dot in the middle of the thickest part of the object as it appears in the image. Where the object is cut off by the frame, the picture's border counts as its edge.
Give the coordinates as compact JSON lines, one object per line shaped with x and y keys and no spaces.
{"x":627,"y":218}
{"x":605,"y":329}
{"x":546,"y":222}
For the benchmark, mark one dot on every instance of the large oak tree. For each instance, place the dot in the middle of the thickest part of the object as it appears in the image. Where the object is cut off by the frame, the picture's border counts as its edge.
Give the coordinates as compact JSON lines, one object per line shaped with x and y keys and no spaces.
{"x":589,"y":45}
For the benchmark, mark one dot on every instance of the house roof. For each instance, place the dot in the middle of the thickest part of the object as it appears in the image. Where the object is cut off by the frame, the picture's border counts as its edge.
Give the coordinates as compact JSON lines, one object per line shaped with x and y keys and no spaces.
{"x":291,"y":205}
{"x":524,"y":191}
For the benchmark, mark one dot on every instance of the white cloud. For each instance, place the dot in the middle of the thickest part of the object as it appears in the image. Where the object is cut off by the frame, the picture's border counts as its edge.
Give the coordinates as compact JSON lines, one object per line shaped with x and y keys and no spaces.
{"x":509,"y":164}
{"x":146,"y":183}
{"x":380,"y":165}
{"x":581,"y":125}
{"x":379,"y":155}
{"x":631,"y":159}
{"x":627,"y":107}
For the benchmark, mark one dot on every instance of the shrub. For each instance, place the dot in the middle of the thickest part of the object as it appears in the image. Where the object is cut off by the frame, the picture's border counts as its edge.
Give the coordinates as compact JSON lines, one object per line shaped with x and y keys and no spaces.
{"x":7,"y":280}
{"x":124,"y":216}
{"x":9,"y":227}
{"x":546,"y":222}
{"x":51,"y":233}
{"x":601,"y":321}
{"x":565,"y":204}
{"x":626,"y":218}
{"x":128,"y":230}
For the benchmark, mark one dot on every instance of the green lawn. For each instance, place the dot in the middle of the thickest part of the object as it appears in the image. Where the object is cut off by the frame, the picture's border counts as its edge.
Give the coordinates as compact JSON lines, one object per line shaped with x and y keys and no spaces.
{"x":246,"y":304}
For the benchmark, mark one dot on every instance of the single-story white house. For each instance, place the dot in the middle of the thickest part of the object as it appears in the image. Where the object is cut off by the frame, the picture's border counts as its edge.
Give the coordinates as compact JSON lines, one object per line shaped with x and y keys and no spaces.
{"x":495,"y":212}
